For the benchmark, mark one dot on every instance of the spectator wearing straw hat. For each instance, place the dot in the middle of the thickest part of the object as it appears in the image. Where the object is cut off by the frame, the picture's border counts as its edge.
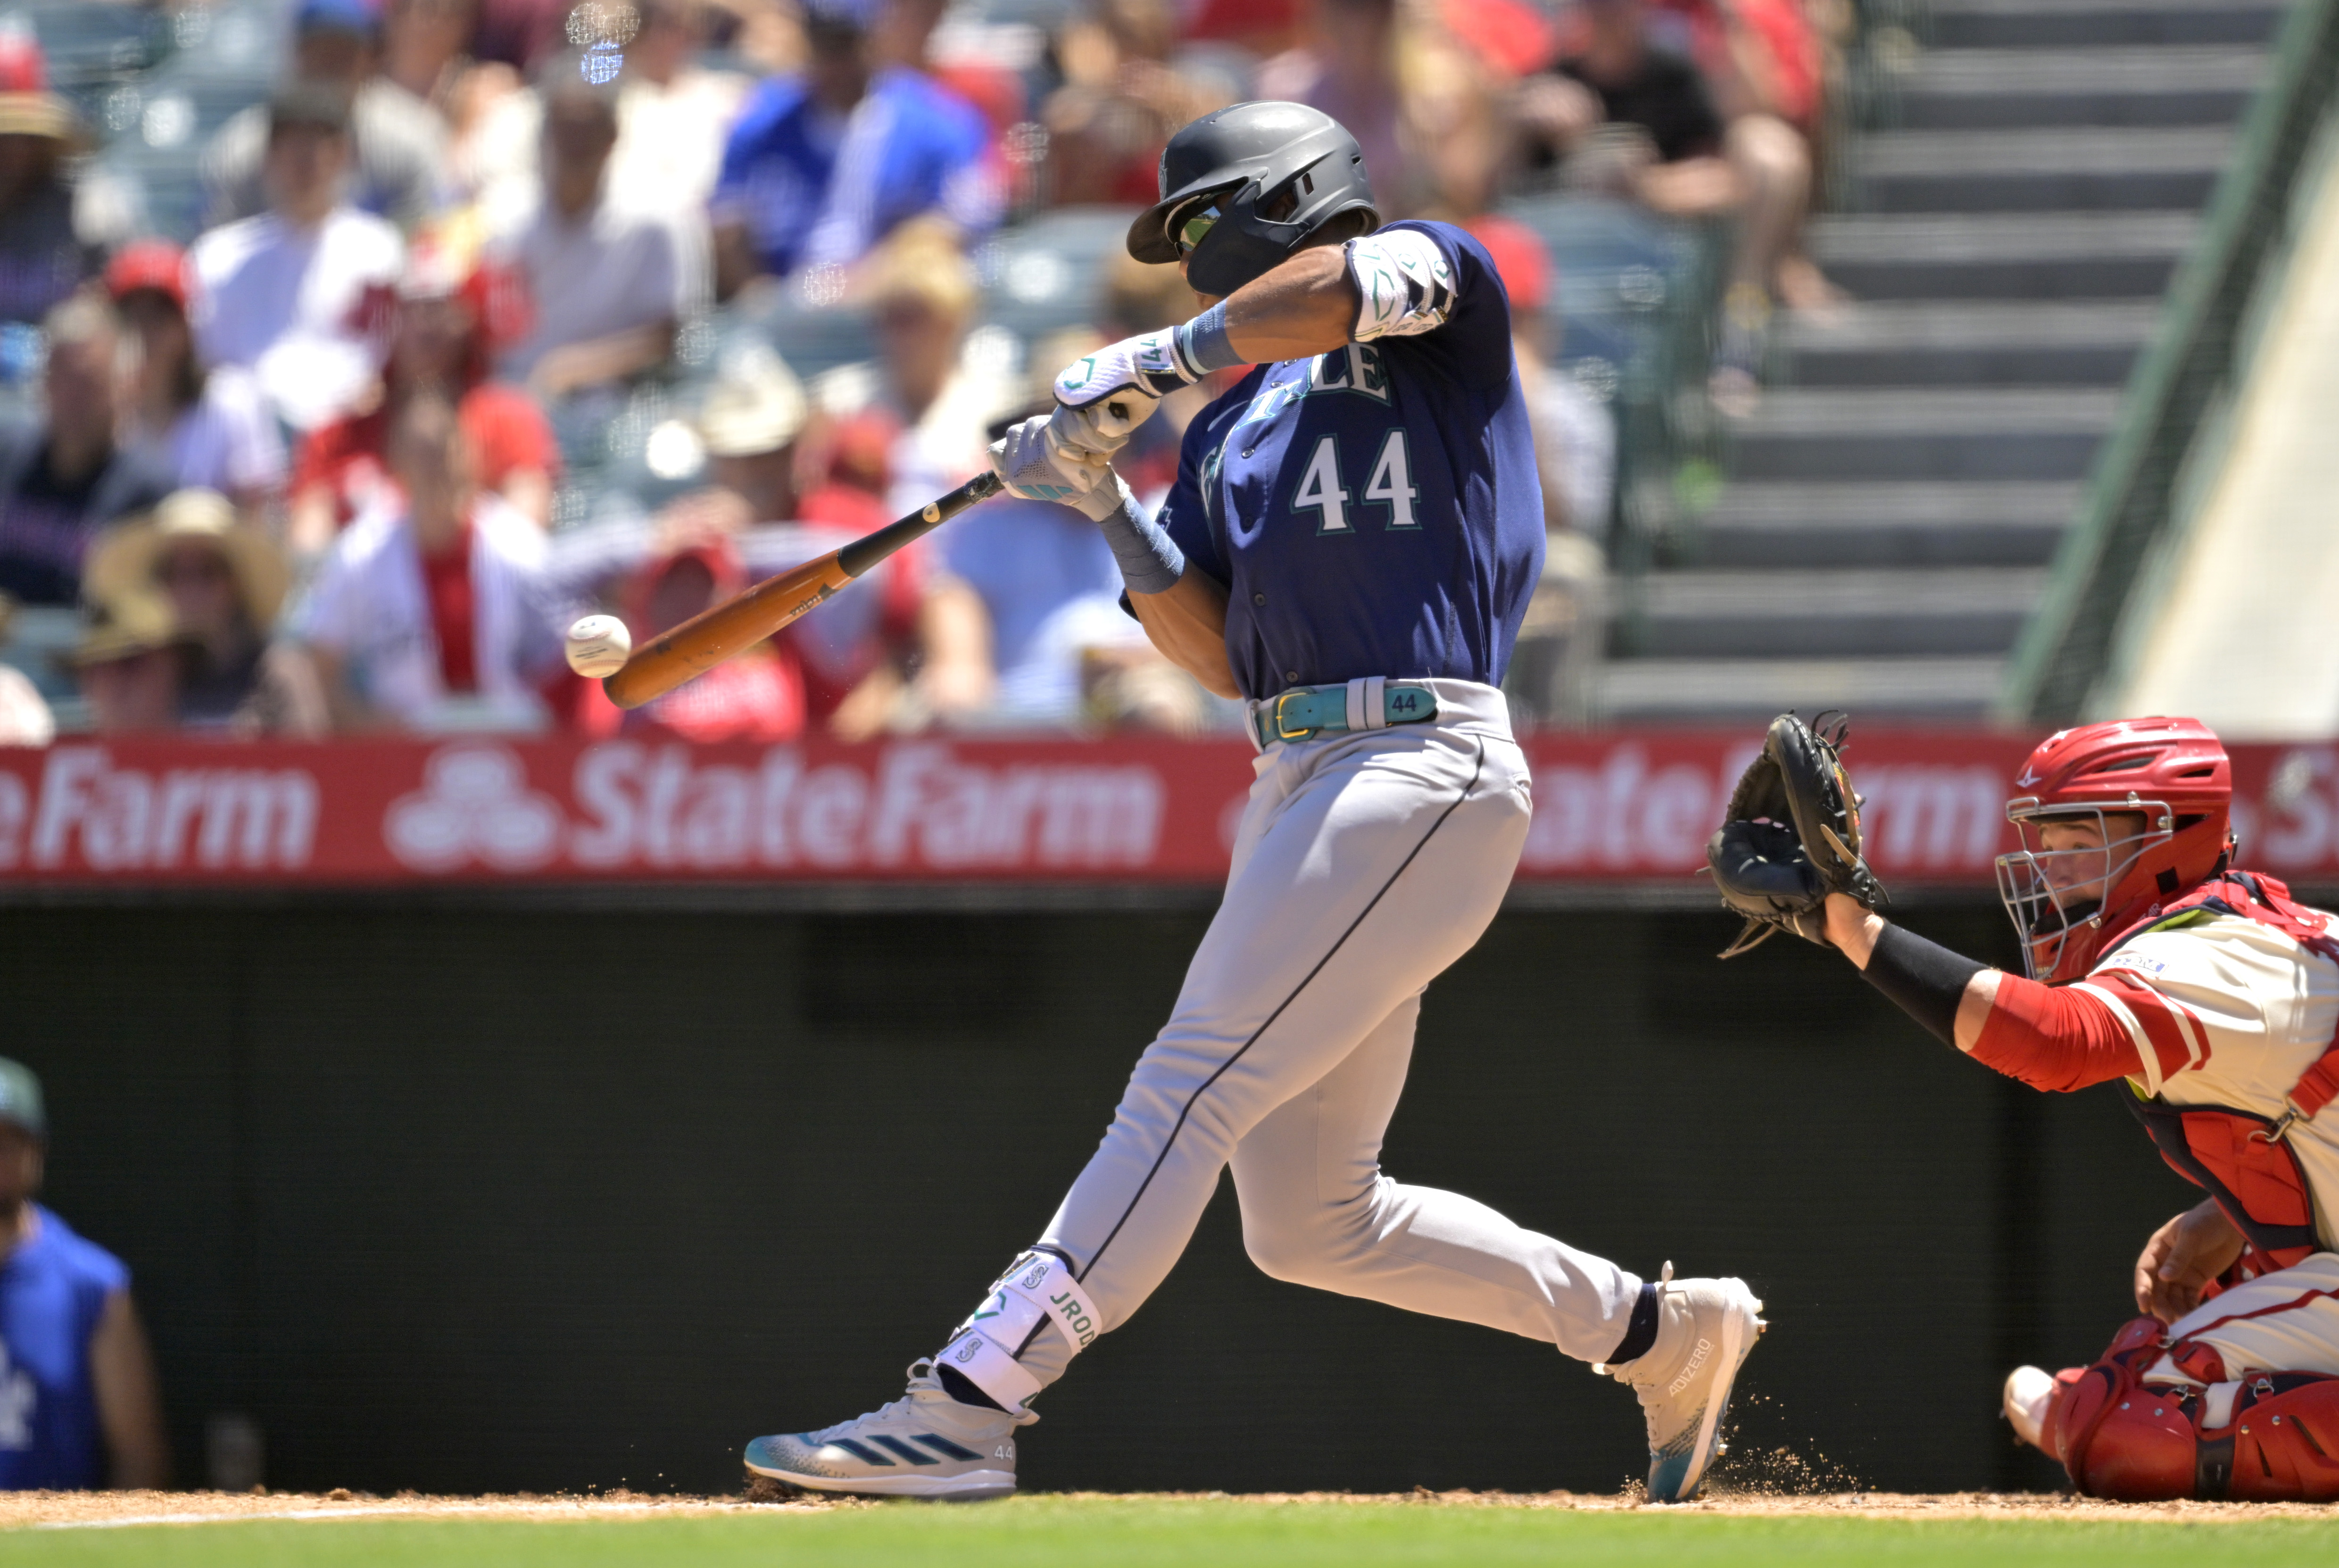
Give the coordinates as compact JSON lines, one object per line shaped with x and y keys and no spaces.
{"x":78,"y":1403}
{"x":63,"y":477}
{"x":224,"y":581}
{"x":43,"y":257}
{"x":129,"y":663}
{"x":210,"y":428}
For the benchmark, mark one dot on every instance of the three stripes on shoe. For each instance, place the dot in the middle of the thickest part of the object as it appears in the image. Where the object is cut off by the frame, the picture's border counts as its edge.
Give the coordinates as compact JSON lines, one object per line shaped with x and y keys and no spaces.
{"x":862,"y":1448}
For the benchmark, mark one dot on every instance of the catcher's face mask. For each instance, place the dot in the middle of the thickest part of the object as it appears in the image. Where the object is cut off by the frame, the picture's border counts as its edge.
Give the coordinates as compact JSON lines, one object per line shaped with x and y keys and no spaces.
{"x":2072,"y":861}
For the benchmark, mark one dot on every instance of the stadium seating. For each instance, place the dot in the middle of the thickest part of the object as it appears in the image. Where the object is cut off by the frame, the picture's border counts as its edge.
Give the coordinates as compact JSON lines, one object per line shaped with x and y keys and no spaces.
{"x":1891,"y":507}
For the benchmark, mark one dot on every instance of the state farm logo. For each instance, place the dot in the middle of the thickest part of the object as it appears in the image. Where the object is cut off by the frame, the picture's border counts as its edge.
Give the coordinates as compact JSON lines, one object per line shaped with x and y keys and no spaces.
{"x":924,"y":806}
{"x":87,"y":811}
{"x":666,"y":807}
{"x":1633,"y":812}
{"x":475,"y":803}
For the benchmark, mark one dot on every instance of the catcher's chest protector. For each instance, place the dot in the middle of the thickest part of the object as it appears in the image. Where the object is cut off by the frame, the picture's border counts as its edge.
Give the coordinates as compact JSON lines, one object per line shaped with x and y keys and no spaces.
{"x":2242,"y":1159}
{"x":2277,"y":1441}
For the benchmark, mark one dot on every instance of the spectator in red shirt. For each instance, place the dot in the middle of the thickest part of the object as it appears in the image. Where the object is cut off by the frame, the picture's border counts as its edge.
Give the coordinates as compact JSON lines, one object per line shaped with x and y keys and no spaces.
{"x":758,"y":696}
{"x":451,"y":315}
{"x":900,"y":647}
{"x":441,"y":603}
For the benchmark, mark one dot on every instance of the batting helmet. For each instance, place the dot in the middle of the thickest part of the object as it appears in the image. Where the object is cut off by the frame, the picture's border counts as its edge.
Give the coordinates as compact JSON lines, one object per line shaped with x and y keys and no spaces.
{"x":1247,"y":186}
{"x":2171,"y":772}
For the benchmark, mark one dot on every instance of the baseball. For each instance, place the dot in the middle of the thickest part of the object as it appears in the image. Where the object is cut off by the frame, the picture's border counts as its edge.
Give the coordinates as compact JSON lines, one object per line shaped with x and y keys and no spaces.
{"x":598,"y":645}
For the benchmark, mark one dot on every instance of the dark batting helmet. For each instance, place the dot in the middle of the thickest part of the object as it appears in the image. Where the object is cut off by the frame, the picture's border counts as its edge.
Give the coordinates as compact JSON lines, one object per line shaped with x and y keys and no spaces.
{"x":1270,"y":179}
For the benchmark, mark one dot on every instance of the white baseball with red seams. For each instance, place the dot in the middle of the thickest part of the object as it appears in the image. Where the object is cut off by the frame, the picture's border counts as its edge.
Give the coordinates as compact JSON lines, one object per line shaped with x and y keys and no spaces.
{"x":598,"y":646}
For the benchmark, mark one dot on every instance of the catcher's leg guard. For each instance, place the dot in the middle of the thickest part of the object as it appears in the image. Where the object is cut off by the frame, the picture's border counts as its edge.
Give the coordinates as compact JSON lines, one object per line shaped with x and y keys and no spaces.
{"x":2272,"y":1437}
{"x":2283,"y":1440}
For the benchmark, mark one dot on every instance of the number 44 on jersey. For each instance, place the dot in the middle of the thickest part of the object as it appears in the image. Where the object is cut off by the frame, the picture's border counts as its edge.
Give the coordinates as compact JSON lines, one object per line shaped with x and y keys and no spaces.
{"x":1388,"y":497}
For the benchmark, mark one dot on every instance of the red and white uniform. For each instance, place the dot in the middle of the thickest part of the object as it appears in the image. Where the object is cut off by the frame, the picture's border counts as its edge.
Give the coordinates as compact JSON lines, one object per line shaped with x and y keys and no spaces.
{"x":2210,"y":1009}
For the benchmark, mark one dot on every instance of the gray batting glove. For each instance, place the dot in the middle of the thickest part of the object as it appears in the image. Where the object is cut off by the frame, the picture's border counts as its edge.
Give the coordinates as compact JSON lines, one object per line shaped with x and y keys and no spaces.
{"x":1037,"y":464}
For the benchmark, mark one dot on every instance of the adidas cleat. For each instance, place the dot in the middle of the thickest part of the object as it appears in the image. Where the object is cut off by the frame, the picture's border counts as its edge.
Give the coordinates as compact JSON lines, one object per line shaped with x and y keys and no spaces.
{"x":923,"y":1445}
{"x":1705,"y":1330}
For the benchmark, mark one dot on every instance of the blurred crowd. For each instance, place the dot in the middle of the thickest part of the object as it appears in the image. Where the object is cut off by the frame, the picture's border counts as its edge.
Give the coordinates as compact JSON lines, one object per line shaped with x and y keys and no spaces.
{"x":315,"y":469}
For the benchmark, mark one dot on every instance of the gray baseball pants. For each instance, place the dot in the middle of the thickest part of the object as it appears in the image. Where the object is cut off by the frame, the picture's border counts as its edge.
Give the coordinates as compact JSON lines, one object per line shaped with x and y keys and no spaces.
{"x":1367,"y":863}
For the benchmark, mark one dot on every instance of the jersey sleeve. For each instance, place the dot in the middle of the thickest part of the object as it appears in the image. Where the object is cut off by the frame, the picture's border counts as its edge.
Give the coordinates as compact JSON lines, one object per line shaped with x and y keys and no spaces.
{"x":2056,"y":1038}
{"x":1435,"y":282}
{"x":2149,"y":1011}
{"x":1184,"y":513}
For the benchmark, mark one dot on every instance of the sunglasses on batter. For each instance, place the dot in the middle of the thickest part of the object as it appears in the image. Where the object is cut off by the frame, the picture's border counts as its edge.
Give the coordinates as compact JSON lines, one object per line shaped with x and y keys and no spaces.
{"x":1190,"y":230}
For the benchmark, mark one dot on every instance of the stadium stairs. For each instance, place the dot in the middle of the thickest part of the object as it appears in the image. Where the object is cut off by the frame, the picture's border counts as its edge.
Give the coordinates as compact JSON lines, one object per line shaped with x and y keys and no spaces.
{"x":1889,"y":509}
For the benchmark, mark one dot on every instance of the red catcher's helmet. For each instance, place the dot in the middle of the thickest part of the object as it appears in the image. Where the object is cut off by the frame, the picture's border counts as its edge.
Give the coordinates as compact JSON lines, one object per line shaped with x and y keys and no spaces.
{"x":2065,"y":902}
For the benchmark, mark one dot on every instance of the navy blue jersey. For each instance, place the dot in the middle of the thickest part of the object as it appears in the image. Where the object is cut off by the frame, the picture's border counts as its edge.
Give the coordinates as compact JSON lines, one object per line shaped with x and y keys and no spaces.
{"x":52,"y":1290}
{"x":1375,"y":510}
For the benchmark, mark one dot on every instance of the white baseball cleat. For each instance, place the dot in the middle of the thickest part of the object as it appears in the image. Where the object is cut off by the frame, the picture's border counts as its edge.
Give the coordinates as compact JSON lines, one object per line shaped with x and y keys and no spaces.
{"x":923,"y":1445}
{"x":2029,"y":1390}
{"x":1705,"y":1330}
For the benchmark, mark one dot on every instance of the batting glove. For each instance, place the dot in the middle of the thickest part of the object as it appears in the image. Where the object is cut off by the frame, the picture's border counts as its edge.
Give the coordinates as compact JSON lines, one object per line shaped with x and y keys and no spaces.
{"x":1037,"y":464}
{"x":1112,"y":391}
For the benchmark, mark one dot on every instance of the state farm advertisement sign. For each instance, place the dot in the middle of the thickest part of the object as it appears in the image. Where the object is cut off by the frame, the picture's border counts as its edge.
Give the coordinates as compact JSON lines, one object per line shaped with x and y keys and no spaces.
{"x":1614,"y":807}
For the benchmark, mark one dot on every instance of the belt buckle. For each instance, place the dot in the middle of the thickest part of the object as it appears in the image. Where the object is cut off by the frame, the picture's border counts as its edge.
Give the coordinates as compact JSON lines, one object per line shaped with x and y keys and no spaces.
{"x":1281,"y":734}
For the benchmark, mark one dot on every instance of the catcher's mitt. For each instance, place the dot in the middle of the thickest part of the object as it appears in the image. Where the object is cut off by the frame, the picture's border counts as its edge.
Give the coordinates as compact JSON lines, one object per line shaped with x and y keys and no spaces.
{"x":1790,"y":836}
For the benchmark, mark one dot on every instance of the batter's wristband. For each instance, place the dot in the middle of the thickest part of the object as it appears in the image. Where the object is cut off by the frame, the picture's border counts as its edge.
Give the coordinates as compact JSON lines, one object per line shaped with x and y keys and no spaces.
{"x":1204,"y":345}
{"x":1925,"y":979}
{"x":1150,"y":560}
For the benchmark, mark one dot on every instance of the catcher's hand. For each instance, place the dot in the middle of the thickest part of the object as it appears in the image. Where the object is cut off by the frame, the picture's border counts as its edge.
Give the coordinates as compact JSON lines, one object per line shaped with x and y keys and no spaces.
{"x":1790,"y":836}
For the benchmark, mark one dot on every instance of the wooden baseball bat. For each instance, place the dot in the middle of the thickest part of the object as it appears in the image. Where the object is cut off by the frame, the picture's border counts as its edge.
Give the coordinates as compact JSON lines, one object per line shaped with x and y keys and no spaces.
{"x":738,"y":624}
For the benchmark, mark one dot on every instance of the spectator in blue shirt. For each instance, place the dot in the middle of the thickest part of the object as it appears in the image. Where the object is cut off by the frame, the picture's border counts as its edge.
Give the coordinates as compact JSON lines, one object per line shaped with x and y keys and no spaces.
{"x":822,"y":165}
{"x":78,"y":1404}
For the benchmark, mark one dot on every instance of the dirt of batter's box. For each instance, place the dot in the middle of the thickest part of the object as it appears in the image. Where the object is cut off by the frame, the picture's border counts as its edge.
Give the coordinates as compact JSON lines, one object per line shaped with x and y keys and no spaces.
{"x":68,"y":1509}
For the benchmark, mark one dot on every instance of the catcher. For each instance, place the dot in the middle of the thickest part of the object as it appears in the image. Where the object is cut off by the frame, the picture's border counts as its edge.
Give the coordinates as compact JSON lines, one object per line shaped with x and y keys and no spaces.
{"x":2150,"y":958}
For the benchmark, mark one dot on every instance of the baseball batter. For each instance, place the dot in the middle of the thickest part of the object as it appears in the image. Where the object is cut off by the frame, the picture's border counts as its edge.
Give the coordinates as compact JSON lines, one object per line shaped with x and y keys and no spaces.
{"x":2151,"y":958}
{"x":1349,"y":546}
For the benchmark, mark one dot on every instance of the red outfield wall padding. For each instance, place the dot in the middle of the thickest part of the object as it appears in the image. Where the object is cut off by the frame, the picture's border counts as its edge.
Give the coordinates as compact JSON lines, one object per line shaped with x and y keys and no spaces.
{"x":1624,"y":806}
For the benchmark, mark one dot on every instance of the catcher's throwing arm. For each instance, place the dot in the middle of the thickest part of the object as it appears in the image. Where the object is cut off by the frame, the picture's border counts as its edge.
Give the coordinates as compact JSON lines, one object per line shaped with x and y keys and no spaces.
{"x":738,"y":624}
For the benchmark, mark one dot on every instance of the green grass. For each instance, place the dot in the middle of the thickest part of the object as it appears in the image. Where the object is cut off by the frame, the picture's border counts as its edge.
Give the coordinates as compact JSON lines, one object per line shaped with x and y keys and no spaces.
{"x":1087,"y":1532}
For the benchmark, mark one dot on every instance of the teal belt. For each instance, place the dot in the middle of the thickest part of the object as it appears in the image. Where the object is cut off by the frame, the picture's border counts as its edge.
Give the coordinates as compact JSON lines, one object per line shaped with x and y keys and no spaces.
{"x":1303,"y":713}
